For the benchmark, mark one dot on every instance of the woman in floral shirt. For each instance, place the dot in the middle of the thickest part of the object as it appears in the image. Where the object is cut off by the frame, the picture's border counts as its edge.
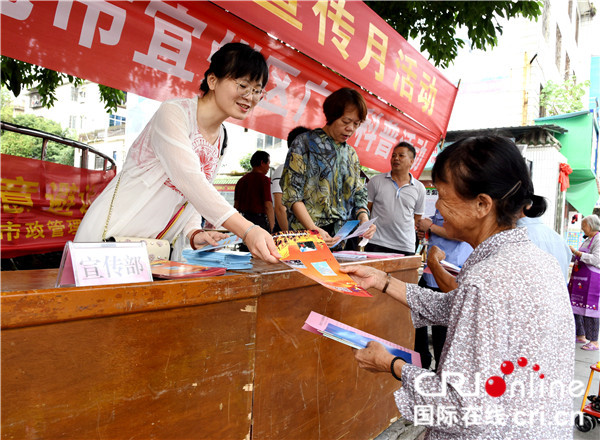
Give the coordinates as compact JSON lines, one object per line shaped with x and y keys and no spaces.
{"x":508,"y":359}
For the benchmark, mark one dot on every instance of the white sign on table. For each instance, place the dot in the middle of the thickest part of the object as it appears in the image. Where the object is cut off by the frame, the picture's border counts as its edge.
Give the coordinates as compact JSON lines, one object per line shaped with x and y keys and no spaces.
{"x":95,"y":264}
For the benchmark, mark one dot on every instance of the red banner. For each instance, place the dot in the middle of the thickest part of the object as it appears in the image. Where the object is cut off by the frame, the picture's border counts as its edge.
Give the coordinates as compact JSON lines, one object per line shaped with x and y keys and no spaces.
{"x":43,"y":203}
{"x":351,"y":39}
{"x":161,"y":49}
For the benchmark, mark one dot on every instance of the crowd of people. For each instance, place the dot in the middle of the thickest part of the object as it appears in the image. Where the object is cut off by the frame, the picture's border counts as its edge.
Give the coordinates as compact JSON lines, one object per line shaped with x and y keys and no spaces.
{"x":512,"y":299}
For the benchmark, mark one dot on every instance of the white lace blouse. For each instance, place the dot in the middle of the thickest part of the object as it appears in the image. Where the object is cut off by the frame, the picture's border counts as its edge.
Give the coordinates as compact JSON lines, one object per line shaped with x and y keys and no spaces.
{"x":170,"y":162}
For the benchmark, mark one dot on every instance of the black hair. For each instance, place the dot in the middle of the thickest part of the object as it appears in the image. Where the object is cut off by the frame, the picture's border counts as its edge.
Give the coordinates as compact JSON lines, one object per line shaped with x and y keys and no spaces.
{"x":294,"y":133}
{"x":335,"y":104}
{"x":237,"y":60}
{"x":407,"y":145}
{"x":258,"y":158}
{"x":494,"y":166}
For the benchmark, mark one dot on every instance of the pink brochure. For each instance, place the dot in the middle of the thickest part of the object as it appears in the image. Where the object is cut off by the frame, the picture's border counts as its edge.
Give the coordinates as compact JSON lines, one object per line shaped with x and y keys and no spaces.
{"x":322,"y":325}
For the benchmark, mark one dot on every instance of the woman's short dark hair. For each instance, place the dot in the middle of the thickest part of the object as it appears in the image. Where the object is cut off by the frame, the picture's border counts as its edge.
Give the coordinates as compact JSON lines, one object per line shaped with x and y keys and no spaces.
{"x":237,"y":60}
{"x":494,"y":166}
{"x":336,"y":103}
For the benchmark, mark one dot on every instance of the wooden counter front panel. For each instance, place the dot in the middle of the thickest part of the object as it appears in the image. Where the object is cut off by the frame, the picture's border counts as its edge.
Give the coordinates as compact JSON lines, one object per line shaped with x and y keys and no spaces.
{"x":310,"y":387}
{"x":184,"y":373}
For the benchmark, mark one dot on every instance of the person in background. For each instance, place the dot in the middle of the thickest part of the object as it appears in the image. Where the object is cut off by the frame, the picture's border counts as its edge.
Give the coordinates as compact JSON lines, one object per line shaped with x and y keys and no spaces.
{"x":397,"y":199}
{"x":456,"y":252}
{"x":166,"y":178}
{"x":321,"y":182}
{"x":281,"y":221}
{"x":508,"y":319}
{"x":252,"y":196}
{"x":548,"y":240}
{"x":585,"y":285}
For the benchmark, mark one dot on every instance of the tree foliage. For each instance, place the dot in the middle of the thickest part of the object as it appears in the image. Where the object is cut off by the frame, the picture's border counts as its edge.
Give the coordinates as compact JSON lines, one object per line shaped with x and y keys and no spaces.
{"x":435,"y":23}
{"x":565,"y":97}
{"x":22,"y":145}
{"x":18,"y":75}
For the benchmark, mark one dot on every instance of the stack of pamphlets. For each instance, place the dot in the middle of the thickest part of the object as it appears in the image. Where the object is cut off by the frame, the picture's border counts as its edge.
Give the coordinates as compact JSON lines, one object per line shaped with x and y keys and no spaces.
{"x":231,"y":260}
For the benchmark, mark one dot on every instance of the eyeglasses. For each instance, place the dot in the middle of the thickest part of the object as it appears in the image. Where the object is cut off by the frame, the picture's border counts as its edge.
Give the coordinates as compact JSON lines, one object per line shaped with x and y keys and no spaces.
{"x":244,"y":89}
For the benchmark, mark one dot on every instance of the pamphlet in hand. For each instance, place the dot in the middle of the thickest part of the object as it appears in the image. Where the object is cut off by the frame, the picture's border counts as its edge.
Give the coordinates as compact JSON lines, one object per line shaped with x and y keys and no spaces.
{"x":306,"y":252}
{"x":229,"y":241}
{"x":344,"y":231}
{"x":173,"y":269}
{"x":451,"y":268}
{"x":319,"y":324}
{"x":362,"y":228}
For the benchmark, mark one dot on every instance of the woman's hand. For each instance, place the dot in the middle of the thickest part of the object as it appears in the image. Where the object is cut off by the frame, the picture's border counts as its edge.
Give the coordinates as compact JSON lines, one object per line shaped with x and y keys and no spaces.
{"x":206,"y":238}
{"x":575,"y":252}
{"x":366,"y":276}
{"x":261,"y":245}
{"x":374,"y":358}
{"x":423,"y":225}
{"x":435,"y":255}
{"x":328,"y":239}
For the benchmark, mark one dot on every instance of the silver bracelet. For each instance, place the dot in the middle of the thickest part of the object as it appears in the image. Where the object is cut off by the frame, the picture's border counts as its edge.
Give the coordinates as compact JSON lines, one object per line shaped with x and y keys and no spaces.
{"x":248,"y":230}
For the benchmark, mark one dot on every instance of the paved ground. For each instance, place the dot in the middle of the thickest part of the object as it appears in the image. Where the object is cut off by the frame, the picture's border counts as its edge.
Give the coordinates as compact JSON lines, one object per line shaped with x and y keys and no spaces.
{"x":403,"y":430}
{"x":583,"y":360}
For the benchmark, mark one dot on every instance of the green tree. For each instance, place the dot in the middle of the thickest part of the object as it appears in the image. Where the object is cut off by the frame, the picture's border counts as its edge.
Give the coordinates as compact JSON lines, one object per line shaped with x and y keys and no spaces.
{"x":245,"y":162}
{"x":28,"y":146}
{"x":17,"y":75}
{"x":565,"y":97}
{"x":435,"y":23}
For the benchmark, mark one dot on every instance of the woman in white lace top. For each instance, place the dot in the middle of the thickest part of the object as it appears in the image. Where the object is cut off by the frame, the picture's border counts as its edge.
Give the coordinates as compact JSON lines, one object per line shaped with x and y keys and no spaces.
{"x":171,"y":165}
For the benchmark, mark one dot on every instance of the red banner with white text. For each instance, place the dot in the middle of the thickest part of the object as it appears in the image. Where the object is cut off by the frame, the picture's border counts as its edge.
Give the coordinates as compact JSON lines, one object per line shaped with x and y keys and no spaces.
{"x":161,"y":50}
{"x":348,"y":37}
{"x":43,"y":203}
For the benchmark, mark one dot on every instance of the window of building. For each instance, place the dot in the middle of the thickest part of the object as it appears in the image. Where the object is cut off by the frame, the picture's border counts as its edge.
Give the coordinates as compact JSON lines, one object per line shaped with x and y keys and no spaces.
{"x":115,"y":120}
{"x":74,"y":94}
{"x":542,"y":108}
{"x":546,"y":20}
{"x":35,"y":100}
{"x":73,"y":122}
{"x":558,"y":48}
{"x":577,"y":27}
{"x":567,"y":66}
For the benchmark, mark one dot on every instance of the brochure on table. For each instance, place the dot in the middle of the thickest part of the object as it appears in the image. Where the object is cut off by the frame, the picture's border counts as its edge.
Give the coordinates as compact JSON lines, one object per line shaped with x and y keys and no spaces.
{"x":174,"y":269}
{"x":353,"y":337}
{"x":306,"y":252}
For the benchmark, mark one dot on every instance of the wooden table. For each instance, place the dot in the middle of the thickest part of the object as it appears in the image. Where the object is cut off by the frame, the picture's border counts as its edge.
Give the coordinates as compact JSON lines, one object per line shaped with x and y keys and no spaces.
{"x":208,"y":358}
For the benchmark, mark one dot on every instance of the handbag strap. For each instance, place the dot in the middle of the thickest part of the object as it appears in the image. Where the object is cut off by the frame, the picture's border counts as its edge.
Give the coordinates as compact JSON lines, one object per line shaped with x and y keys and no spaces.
{"x":160,"y":235}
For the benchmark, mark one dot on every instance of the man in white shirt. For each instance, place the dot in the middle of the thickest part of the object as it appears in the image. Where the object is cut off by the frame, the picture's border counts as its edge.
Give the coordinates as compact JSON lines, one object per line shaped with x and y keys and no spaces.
{"x":397,"y":199}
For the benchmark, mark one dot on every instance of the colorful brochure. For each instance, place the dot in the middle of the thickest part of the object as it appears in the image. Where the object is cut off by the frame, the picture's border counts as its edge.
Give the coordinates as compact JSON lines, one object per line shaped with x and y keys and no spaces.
{"x":173,"y":269}
{"x":306,"y":252}
{"x":229,"y":241}
{"x":319,"y":324}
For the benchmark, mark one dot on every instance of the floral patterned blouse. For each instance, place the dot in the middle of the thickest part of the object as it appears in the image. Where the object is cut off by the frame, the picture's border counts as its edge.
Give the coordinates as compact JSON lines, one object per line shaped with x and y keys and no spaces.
{"x":509,"y":355}
{"x":325,"y":176}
